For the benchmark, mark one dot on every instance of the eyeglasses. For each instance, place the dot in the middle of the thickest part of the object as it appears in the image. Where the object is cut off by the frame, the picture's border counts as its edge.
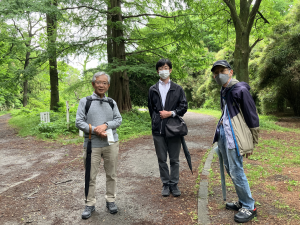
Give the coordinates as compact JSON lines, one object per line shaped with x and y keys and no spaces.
{"x":99,"y":82}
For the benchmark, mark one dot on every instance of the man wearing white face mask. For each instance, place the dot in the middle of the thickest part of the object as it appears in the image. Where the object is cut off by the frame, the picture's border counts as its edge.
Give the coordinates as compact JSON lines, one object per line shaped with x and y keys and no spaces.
{"x":166,"y":99}
{"x":236,"y":135}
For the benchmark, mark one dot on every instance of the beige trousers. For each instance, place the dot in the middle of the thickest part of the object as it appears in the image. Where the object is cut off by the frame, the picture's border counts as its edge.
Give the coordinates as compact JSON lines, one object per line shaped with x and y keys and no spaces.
{"x":110,"y":158}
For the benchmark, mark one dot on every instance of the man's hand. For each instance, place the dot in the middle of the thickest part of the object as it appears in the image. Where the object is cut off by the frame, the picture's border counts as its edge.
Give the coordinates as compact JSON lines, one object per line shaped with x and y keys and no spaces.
{"x":103,"y":134}
{"x":165,"y":114}
{"x":99,"y":130}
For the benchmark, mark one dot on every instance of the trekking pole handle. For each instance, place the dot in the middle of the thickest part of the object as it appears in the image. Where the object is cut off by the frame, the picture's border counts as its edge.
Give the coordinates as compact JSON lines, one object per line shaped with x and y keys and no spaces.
{"x":90,"y":131}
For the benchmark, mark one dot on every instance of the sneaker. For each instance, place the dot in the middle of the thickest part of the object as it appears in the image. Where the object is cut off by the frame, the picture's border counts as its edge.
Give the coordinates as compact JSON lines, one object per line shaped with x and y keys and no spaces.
{"x":112,"y":207}
{"x":245,"y":215}
{"x":175,"y":190}
{"x":234,"y":206}
{"x":165,"y":191}
{"x":87,"y":212}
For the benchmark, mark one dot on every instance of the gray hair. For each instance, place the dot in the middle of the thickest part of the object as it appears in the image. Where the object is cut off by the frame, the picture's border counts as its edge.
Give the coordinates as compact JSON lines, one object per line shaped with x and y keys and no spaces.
{"x":99,"y":74}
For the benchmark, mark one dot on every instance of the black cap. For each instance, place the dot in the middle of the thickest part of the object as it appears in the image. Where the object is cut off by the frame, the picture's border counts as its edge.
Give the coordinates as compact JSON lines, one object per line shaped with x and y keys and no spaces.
{"x":221,"y":63}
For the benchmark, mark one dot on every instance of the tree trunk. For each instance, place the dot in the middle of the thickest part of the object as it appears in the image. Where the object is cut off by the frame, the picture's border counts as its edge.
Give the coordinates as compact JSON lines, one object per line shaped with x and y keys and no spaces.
{"x":293,"y":96}
{"x":25,"y":83}
{"x":241,"y":56}
{"x":51,"y":34}
{"x":109,"y":40}
{"x":243,"y":24}
{"x":280,"y":103}
{"x":25,"y":91}
{"x":119,"y":85}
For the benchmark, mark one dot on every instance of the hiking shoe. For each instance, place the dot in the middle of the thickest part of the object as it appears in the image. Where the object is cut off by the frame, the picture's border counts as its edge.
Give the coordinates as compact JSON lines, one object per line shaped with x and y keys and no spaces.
{"x":245,"y":215}
{"x":112,"y":207}
{"x":165,"y":191}
{"x":87,"y":212}
{"x":234,"y":206}
{"x":175,"y":190}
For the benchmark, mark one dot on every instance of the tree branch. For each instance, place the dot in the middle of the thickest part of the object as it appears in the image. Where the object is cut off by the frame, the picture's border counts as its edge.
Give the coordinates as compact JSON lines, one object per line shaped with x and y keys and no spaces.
{"x":10,"y":50}
{"x":146,"y":14}
{"x":38,"y":30}
{"x":236,"y":20}
{"x":88,"y":7}
{"x":18,"y":29}
{"x":130,"y":53}
{"x":261,"y":15}
{"x":258,"y":40}
{"x":252,"y":15}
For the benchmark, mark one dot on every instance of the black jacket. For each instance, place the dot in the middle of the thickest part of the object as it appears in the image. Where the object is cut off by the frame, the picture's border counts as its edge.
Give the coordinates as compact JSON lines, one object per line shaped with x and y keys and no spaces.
{"x":175,"y":100}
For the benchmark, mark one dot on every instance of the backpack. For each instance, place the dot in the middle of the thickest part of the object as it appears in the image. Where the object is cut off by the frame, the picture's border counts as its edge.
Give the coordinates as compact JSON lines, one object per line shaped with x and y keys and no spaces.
{"x":89,"y":100}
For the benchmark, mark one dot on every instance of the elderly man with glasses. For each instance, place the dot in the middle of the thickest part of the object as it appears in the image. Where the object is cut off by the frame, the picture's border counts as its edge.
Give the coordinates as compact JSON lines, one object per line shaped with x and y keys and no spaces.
{"x":101,"y":113}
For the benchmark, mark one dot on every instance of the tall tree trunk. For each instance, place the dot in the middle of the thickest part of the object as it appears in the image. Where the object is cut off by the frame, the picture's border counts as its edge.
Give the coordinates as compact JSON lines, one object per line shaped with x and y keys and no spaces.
{"x":109,"y":40}
{"x":25,"y":83}
{"x":241,"y":56}
{"x":25,"y":91}
{"x":119,"y":85}
{"x":243,"y":25}
{"x":51,"y":34}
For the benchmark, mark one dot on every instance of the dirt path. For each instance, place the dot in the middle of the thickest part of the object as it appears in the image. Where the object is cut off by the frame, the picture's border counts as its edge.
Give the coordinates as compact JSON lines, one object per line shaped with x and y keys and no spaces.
{"x":42,"y":182}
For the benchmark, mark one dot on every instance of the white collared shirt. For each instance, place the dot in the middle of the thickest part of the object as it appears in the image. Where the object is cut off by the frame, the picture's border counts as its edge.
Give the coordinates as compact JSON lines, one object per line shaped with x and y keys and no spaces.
{"x":163,"y":90}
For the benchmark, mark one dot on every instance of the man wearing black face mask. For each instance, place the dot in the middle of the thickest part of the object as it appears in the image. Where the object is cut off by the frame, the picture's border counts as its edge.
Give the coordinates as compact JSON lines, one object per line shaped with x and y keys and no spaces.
{"x":237,"y":135}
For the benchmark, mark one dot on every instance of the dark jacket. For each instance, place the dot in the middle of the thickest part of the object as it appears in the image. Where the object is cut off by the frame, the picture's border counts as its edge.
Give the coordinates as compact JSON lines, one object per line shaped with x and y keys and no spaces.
{"x":175,"y":100}
{"x":243,"y":117}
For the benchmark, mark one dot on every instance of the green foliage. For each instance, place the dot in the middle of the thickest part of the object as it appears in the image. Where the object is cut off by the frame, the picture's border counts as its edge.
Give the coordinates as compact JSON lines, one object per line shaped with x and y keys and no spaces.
{"x":27,"y":121}
{"x":280,"y":64}
{"x":215,"y":113}
{"x":267,"y":122}
{"x":134,"y":124}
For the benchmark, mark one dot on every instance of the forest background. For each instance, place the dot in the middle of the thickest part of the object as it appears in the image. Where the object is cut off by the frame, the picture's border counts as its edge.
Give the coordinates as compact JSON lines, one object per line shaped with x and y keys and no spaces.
{"x":39,"y":39}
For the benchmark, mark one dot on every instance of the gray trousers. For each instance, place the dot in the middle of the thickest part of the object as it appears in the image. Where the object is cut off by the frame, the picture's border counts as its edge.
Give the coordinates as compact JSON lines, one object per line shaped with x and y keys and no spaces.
{"x":172,"y":146}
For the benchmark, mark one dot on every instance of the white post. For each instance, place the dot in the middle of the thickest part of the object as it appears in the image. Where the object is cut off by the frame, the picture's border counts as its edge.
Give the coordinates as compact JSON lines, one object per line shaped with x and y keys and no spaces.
{"x":68,"y":116}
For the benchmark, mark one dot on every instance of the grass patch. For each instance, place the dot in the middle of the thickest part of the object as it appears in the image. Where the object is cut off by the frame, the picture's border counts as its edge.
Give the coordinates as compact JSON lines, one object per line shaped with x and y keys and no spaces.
{"x":4,"y":112}
{"x":211,"y":112}
{"x":271,"y":173}
{"x":134,"y":124}
{"x":27,"y":121}
{"x":266,"y":122}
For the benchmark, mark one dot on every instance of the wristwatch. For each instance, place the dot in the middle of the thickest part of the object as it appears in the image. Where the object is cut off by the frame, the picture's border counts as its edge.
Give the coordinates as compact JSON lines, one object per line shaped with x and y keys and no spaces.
{"x":106,"y":124}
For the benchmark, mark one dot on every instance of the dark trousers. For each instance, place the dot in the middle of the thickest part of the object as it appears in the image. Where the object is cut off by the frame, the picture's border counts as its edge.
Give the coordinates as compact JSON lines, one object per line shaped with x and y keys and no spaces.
{"x":172,"y":146}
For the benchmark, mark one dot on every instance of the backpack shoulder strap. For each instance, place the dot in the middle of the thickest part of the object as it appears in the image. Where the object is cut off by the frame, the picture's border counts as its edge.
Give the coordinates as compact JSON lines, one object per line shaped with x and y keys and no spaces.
{"x":88,"y":103}
{"x":111,"y":102}
{"x":228,"y":92}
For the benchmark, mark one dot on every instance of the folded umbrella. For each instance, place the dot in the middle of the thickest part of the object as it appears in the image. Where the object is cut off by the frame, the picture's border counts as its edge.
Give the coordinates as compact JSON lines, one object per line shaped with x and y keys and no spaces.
{"x":186,"y":153}
{"x":88,"y":163}
{"x":221,"y":172}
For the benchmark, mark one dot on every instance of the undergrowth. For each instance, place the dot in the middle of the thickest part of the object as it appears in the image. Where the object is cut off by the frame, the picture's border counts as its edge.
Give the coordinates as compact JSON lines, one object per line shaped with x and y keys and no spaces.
{"x":27,"y":121}
{"x":3,"y":113}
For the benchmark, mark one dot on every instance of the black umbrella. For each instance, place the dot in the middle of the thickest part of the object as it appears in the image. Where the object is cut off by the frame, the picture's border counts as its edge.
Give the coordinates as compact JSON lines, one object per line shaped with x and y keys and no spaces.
{"x":88,"y":163}
{"x":186,"y":153}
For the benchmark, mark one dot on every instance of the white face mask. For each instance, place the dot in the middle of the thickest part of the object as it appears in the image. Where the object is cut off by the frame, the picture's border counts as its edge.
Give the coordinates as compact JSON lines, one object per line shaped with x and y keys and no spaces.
{"x":164,"y":74}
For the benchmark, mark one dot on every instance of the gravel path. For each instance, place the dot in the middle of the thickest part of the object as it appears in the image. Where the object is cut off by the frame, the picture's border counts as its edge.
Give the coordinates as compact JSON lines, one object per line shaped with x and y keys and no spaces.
{"x":42,"y":182}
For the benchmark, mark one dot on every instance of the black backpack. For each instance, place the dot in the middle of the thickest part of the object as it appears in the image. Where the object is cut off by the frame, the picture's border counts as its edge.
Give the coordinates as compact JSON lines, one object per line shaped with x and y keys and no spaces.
{"x":89,"y":100}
